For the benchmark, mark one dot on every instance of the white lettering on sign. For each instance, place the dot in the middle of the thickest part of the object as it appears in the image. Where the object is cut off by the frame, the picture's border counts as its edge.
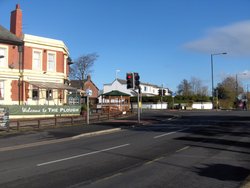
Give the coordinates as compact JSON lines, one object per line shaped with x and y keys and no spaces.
{"x":69,"y":110}
{"x":53,"y":110}
{"x":30,"y":110}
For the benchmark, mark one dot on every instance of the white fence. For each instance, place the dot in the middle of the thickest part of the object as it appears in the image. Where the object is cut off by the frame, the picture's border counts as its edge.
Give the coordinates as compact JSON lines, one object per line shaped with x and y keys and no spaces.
{"x":202,"y":105}
{"x":152,"y":106}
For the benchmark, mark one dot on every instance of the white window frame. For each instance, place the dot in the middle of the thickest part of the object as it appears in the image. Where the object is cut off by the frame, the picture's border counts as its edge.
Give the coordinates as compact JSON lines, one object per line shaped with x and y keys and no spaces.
{"x":4,"y":61}
{"x":49,"y":68}
{"x":73,"y":100}
{"x":2,"y":89}
{"x":38,"y":68}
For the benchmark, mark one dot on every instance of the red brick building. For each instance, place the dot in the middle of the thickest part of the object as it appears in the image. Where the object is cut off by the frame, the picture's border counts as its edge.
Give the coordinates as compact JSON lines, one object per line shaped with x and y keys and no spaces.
{"x":35,"y":73}
{"x":88,"y":85}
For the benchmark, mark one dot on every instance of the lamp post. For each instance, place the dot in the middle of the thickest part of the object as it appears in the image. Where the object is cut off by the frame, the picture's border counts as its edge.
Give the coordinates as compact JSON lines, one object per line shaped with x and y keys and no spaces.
{"x":212,"y":72}
{"x":161,"y":95}
{"x":116,"y":73}
{"x":247,"y":98}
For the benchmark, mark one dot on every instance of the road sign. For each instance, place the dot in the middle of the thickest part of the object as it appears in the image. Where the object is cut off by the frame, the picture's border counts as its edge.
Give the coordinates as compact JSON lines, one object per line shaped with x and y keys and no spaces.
{"x":89,"y":92}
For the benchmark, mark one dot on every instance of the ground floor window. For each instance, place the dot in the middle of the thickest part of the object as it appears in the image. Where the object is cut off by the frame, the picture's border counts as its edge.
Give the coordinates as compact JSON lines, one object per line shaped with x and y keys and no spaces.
{"x":1,"y":90}
{"x":49,"y":94}
{"x":35,"y":93}
{"x":73,"y":100}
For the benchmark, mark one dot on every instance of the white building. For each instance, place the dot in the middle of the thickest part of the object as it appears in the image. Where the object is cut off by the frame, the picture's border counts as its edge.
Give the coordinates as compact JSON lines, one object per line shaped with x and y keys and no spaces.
{"x":146,"y":88}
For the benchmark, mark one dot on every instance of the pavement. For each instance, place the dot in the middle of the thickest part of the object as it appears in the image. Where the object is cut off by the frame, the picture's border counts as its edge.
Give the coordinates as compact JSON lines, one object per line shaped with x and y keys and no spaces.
{"x":23,"y":139}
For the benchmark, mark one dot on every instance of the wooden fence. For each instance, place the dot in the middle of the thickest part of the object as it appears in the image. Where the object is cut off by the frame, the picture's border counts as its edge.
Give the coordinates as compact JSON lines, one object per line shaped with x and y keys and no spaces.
{"x":39,"y":123}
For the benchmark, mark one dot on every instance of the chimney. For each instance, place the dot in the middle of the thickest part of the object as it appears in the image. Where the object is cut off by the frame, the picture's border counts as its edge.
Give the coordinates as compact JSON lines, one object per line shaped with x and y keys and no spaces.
{"x":88,"y":78}
{"x":16,"y":21}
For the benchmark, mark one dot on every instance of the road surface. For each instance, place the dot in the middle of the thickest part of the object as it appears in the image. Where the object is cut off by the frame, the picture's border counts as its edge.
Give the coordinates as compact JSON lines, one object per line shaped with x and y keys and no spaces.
{"x":174,"y":149}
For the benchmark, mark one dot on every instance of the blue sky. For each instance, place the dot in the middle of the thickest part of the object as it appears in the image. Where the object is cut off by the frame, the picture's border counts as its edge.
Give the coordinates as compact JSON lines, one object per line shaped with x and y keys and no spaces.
{"x":166,"y":41}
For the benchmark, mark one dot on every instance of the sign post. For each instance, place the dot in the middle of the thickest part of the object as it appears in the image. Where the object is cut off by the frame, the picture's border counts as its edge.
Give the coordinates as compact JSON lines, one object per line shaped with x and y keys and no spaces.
{"x":88,"y":93}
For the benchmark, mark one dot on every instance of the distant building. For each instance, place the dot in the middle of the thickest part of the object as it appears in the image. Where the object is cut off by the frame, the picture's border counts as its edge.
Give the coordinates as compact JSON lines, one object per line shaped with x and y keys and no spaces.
{"x":80,"y":89}
{"x":147,"y":89}
{"x":36,"y":76}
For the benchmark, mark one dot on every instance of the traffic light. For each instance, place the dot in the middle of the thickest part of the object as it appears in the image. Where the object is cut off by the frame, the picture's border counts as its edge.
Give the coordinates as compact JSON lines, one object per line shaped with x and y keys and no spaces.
{"x":130,"y":80}
{"x":160,"y":92}
{"x":137,"y":80}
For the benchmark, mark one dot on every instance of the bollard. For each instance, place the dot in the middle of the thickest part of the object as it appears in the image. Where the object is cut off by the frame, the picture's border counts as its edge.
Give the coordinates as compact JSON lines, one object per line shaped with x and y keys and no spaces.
{"x":18,"y":125}
{"x":39,"y":123}
{"x":55,"y":121}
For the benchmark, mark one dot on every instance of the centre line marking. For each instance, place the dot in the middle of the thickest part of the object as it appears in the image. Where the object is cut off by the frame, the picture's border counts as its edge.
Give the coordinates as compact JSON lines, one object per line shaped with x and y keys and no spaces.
{"x":182,"y":149}
{"x":166,"y":134}
{"x":82,"y":155}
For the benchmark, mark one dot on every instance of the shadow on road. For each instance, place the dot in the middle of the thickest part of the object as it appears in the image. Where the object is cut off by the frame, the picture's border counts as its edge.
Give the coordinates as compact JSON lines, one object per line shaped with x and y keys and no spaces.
{"x":216,"y":141}
{"x":224,"y":172}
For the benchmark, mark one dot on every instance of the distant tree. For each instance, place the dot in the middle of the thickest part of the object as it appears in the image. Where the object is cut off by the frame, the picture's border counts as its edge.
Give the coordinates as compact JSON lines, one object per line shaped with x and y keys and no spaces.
{"x":227,"y":92}
{"x":198,"y":88}
{"x":185,"y":88}
{"x":81,"y":68}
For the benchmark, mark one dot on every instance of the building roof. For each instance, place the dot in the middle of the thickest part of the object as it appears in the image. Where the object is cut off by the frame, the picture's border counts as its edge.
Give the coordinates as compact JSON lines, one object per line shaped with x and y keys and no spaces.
{"x":7,"y":37}
{"x":123,"y":82}
{"x":78,"y":83}
{"x":115,"y":93}
{"x":51,"y":85}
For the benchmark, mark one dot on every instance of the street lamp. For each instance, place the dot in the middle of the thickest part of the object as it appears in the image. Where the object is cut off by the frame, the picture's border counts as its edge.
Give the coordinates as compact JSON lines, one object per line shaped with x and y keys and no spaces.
{"x":247,"y":97}
{"x":212,"y":72}
{"x":116,"y":73}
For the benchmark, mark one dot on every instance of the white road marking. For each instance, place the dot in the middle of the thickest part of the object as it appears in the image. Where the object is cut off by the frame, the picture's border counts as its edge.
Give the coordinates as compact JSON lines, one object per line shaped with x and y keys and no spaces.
{"x":166,"y":134}
{"x":152,"y":161}
{"x":97,"y":133}
{"x":82,"y":155}
{"x":174,"y":117}
{"x":183,"y":149}
{"x":55,"y":141}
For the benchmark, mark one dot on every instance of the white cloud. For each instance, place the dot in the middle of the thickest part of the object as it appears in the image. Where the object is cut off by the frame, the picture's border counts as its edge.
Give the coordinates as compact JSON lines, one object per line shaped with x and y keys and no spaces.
{"x":233,"y":39}
{"x":245,"y":75}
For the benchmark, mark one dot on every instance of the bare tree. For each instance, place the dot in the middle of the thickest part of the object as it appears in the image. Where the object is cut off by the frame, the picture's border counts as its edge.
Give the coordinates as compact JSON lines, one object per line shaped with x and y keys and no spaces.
{"x":185,"y":88}
{"x":197,"y":87}
{"x":81,"y":68}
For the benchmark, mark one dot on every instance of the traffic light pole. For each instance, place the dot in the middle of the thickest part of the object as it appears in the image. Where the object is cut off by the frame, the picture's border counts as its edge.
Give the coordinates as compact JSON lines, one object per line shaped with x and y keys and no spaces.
{"x":133,"y":82}
{"x":138,"y":107}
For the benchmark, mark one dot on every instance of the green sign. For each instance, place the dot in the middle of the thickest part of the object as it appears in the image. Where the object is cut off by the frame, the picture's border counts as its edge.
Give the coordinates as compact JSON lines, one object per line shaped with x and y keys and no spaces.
{"x":42,"y":110}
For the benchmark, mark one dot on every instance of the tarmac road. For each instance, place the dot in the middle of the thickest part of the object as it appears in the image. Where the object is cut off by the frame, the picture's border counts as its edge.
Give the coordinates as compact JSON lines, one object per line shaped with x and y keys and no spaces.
{"x":171,"y":149}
